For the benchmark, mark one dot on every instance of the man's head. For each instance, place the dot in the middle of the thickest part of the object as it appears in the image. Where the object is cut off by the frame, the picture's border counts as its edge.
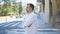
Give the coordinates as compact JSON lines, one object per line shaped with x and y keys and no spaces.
{"x":29,"y":8}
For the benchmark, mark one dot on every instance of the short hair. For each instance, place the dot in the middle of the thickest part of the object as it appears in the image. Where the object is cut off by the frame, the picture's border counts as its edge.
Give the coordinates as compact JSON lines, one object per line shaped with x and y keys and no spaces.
{"x":31,"y":5}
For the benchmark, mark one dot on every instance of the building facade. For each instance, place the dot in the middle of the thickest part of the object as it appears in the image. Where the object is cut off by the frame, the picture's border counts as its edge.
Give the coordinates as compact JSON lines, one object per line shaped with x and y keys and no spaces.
{"x":51,"y":10}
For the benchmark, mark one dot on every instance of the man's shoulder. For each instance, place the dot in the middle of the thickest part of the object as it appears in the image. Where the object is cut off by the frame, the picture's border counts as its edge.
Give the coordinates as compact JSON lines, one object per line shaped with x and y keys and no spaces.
{"x":33,"y":15}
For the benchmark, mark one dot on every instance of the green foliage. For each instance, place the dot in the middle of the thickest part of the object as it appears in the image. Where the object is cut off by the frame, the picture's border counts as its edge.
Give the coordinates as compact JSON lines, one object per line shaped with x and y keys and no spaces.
{"x":4,"y":12}
{"x":8,"y":9}
{"x":20,"y":8}
{"x":11,"y":10}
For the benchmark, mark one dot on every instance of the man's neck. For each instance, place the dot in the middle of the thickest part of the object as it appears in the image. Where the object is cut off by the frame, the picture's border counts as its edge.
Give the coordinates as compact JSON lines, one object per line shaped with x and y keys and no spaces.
{"x":30,"y":12}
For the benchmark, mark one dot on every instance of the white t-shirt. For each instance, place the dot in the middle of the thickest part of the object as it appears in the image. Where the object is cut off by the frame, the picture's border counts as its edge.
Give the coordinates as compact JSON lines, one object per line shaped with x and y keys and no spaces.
{"x":30,"y":19}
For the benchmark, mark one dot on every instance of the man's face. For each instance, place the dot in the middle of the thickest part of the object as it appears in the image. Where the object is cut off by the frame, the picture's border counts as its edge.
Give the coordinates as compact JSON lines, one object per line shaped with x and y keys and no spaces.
{"x":28,"y":9}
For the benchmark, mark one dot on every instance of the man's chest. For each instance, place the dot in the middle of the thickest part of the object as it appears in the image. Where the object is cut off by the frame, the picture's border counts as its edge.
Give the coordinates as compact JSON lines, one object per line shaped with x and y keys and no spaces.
{"x":27,"y":16}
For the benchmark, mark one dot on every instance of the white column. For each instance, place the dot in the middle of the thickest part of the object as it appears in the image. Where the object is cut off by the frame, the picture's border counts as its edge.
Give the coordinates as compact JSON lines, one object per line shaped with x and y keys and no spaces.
{"x":41,"y":7}
{"x":54,"y":11}
{"x":46,"y":17}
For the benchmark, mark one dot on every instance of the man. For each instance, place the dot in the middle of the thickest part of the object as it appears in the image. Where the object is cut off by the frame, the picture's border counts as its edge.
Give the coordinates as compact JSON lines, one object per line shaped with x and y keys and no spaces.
{"x":30,"y":20}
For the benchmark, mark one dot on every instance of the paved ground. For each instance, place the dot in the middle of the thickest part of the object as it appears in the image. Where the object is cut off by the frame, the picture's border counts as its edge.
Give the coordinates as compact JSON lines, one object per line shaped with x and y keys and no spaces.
{"x":15,"y":27}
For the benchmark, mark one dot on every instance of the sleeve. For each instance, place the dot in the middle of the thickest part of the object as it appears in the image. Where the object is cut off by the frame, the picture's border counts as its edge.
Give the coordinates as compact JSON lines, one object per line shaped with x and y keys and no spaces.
{"x":29,"y":21}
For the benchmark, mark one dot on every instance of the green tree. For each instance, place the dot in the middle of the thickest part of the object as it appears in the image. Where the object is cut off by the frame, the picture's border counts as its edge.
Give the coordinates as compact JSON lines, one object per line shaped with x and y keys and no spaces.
{"x":4,"y":10}
{"x":20,"y":8}
{"x":11,"y":10}
{"x":7,"y":9}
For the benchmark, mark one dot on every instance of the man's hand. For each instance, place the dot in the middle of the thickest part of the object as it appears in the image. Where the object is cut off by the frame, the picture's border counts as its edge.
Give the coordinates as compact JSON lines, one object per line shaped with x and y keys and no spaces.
{"x":30,"y":25}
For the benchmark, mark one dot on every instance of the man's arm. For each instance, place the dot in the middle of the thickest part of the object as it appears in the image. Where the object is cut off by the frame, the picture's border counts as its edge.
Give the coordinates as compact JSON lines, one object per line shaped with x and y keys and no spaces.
{"x":29,"y":21}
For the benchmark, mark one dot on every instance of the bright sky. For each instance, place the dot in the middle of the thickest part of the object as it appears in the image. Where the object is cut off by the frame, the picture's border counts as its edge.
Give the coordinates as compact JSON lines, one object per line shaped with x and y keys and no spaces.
{"x":29,"y":1}
{"x":24,"y":2}
{"x":18,"y":0}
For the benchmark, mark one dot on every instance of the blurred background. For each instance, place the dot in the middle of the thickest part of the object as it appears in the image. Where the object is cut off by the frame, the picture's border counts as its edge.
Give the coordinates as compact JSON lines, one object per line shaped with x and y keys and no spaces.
{"x":12,"y":13}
